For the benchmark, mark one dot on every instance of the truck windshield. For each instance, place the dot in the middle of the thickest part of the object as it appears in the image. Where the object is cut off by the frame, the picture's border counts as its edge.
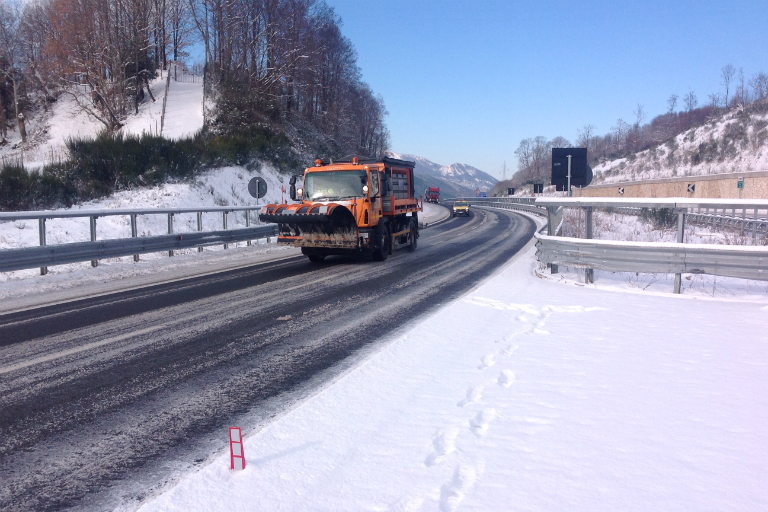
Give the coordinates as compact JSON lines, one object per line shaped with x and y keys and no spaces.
{"x":461,"y":203}
{"x":334,"y":185}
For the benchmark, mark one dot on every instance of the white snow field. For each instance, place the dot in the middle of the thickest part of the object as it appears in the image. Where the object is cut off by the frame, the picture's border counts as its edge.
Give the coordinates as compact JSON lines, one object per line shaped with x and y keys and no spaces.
{"x":184,"y":110}
{"x":49,"y":131}
{"x":524,"y":394}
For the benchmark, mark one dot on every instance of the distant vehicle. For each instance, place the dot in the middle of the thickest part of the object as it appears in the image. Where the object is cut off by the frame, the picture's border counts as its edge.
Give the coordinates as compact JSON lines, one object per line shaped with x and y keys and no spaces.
{"x":461,"y":208}
{"x":432,"y":194}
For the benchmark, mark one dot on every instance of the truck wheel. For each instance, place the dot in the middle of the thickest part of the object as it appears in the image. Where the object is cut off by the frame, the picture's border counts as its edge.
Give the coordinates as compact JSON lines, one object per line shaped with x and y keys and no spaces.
{"x":382,"y":250}
{"x":316,"y":258}
{"x":412,"y":236}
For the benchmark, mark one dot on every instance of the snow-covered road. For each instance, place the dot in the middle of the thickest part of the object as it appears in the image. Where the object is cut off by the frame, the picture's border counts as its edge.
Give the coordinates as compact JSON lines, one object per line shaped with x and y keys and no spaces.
{"x":526,"y":394}
{"x":127,"y":390}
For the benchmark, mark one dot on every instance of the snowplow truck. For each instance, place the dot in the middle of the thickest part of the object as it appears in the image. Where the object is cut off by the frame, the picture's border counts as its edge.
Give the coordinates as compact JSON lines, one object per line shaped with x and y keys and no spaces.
{"x":432,"y":194}
{"x":355,"y":206}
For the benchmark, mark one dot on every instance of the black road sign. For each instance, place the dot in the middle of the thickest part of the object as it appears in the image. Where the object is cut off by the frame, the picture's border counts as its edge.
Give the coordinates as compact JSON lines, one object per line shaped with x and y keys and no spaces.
{"x":691,"y":187}
{"x":581,"y":173}
{"x":257,"y":187}
{"x":510,"y":191}
{"x":538,"y":188}
{"x":621,"y":191}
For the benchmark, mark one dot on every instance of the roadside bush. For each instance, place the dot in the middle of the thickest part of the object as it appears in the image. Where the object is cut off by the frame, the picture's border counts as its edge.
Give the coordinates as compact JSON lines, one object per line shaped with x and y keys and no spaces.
{"x":661,"y":218}
{"x":101,"y":166}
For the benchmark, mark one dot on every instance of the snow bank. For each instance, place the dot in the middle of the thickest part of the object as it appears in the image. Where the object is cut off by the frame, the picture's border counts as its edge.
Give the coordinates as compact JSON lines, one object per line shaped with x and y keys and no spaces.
{"x":226,"y":186}
{"x":696,"y":152}
{"x":529,"y":395}
{"x":49,"y":131}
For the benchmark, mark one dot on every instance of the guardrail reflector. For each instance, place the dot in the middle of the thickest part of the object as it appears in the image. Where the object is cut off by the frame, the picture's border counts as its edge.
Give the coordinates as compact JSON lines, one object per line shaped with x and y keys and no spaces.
{"x":237,"y":455}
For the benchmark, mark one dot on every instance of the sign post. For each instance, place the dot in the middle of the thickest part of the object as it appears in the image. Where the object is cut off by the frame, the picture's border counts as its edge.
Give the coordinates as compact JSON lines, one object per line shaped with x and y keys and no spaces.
{"x":570,"y":169}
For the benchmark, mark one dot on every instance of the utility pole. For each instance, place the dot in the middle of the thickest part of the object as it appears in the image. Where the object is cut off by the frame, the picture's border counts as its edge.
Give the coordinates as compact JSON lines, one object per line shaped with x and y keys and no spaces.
{"x":504,"y":171}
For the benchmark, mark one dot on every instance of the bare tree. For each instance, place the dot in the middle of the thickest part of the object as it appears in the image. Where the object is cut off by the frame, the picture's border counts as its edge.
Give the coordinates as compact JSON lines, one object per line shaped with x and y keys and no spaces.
{"x":12,"y":46}
{"x":727,"y":73}
{"x":639,"y":115}
{"x":714,"y":100}
{"x":759,"y":85}
{"x":524,"y":153}
{"x":691,"y":101}
{"x":741,"y":94}
{"x":672,"y":102}
{"x":585,"y":135}
{"x":620,"y":132}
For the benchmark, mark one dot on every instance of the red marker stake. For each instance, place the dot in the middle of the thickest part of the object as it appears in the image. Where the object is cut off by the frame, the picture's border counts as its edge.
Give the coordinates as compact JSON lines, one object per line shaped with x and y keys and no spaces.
{"x":236,"y":448}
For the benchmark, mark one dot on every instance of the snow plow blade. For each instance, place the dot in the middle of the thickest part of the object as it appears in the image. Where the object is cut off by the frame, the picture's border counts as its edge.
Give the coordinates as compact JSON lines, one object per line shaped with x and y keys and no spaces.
{"x":319,"y":225}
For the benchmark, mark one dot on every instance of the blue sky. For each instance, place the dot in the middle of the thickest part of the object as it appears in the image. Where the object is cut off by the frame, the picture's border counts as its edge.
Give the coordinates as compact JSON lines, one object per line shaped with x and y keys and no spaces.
{"x":466,"y":81}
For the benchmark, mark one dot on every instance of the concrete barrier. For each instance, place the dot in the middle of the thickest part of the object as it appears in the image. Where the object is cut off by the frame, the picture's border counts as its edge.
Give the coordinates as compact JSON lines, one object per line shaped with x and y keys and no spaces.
{"x":714,"y":186}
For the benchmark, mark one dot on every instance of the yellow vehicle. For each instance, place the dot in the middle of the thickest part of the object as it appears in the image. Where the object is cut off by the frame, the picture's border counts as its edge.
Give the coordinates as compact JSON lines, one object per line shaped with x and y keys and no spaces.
{"x":461,"y":208}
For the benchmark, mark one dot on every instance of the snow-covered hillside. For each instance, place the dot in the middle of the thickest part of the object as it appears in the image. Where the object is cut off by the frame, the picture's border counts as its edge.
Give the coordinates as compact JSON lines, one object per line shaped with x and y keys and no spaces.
{"x":462,"y":179}
{"x":737,"y":142}
{"x":49,"y":130}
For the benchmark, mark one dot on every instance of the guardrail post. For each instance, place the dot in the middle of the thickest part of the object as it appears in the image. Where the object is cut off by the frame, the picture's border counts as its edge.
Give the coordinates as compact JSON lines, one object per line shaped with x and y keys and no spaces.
{"x":94,"y":263}
{"x":754,"y":230}
{"x":170,"y":230}
{"x":589,"y":274}
{"x":248,"y":224}
{"x":680,"y":240}
{"x":224,"y":222}
{"x":551,"y":232}
{"x":134,"y":233}
{"x":41,"y":226}
{"x":199,"y":226}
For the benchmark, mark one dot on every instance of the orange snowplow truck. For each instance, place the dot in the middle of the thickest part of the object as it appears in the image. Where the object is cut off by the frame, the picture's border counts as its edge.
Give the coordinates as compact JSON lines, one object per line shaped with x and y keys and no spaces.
{"x":356,"y":206}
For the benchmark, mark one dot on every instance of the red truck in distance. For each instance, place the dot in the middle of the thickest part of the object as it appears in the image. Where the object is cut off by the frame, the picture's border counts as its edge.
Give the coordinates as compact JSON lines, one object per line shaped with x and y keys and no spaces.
{"x":432,"y":194}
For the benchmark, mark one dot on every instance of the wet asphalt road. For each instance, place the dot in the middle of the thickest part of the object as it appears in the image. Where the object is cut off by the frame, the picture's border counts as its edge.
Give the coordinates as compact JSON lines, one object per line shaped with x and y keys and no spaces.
{"x":104,"y":401}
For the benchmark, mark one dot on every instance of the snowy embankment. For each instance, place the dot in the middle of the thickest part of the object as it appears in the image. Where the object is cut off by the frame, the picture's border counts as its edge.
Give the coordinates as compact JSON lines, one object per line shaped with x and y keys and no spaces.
{"x":737,"y":142}
{"x":49,"y":131}
{"x":525,"y":394}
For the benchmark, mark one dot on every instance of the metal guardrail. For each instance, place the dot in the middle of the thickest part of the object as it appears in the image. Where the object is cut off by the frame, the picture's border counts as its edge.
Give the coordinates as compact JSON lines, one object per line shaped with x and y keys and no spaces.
{"x":653,"y":257}
{"x":49,"y":255}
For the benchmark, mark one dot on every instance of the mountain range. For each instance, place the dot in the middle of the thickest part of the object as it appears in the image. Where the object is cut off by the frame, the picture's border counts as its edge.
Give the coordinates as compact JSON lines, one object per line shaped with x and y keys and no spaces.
{"x":455,"y":180}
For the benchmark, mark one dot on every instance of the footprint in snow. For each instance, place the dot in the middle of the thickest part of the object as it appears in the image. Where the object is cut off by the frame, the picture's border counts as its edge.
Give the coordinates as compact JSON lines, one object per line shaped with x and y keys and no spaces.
{"x":510,"y":350}
{"x":452,"y":493}
{"x":443,"y":443}
{"x":506,"y":378}
{"x":474,"y":394}
{"x":540,"y":331}
{"x":486,"y":362}
{"x":482,"y":420}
